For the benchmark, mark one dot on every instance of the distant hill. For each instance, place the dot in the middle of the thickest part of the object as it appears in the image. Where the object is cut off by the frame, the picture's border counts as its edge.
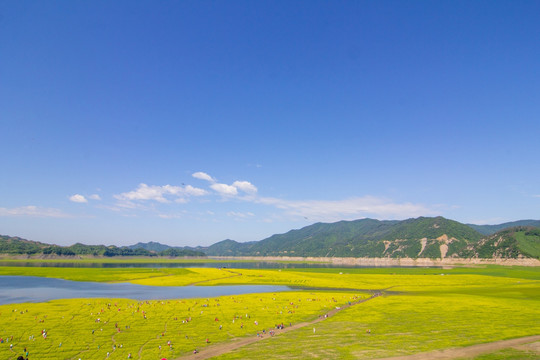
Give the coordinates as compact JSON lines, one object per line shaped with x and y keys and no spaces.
{"x":17,"y":246}
{"x":228,"y":248}
{"x":412,"y":238}
{"x":166,"y":250}
{"x":150,"y":246}
{"x":492,"y":229}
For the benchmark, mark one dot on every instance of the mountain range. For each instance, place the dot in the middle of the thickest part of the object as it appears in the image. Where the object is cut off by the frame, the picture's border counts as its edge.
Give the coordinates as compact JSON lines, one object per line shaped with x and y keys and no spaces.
{"x":17,"y":246}
{"x":423,"y":237}
{"x":429,"y":237}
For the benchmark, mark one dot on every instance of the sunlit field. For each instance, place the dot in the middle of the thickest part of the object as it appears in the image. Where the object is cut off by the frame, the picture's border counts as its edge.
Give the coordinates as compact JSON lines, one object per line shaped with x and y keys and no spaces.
{"x":405,"y":324}
{"x":91,"y":328}
{"x":421,"y":310}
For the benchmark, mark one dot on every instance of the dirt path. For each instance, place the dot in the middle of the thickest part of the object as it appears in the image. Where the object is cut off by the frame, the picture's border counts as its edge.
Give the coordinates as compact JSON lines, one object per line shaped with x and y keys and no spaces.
{"x":468,"y":351}
{"x":220,"y":349}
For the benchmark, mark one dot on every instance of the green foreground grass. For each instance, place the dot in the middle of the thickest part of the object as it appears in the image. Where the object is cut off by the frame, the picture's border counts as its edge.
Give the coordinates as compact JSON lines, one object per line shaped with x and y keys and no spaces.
{"x":422,"y":310}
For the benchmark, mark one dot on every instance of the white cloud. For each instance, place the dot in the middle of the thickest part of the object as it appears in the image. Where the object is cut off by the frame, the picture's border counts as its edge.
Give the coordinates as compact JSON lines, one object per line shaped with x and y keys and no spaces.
{"x":125,"y":205}
{"x":145,"y":192}
{"x":537,"y":196}
{"x":203,"y":176}
{"x":170,"y":216}
{"x":240,"y":214}
{"x":348,"y":209}
{"x":33,"y":211}
{"x":245,"y":186}
{"x":159,"y":193}
{"x":78,"y":198}
{"x":95,"y":197}
{"x":224,"y":189}
{"x":193,"y":191}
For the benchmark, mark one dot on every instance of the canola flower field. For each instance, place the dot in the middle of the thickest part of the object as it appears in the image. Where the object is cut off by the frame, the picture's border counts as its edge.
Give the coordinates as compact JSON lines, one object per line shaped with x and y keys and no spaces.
{"x":422,"y":309}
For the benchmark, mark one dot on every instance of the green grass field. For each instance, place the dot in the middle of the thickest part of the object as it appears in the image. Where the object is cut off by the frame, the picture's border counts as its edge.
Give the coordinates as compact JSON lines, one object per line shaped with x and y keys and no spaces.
{"x":422,"y":310}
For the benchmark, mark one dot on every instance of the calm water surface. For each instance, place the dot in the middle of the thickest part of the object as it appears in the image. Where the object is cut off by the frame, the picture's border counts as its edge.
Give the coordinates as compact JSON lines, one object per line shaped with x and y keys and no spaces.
{"x":19,"y":289}
{"x":232,"y":265}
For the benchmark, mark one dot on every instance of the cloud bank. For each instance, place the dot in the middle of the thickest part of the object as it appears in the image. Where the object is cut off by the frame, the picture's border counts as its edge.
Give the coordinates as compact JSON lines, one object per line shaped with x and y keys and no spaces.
{"x":347,"y":209}
{"x":225,"y":189}
{"x":33,"y":211}
{"x":160,"y":193}
{"x":246,"y":192}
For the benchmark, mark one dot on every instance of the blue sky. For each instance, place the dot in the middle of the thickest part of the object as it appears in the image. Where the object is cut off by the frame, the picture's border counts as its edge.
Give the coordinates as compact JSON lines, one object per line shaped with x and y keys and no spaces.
{"x":189,"y":122}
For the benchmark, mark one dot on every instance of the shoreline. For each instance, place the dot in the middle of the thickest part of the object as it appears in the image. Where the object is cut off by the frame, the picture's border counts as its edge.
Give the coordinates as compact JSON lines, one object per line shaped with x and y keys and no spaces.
{"x":345,"y":261}
{"x":387,"y":261}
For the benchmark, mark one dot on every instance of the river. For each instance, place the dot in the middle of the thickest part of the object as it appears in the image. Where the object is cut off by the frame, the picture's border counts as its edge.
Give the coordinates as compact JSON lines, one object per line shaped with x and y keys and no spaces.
{"x":20,"y":289}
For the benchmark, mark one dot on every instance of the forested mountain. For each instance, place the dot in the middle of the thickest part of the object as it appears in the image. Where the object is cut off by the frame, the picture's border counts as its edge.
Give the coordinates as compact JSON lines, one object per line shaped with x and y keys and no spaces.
{"x":423,"y":237}
{"x":166,"y":250}
{"x":412,"y":238}
{"x":150,"y":246}
{"x":17,"y":246}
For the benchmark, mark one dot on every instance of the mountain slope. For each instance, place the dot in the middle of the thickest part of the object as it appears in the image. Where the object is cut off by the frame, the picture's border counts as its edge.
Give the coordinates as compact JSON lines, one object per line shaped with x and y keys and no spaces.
{"x":150,"y":246}
{"x":421,"y":237}
{"x":166,"y":250}
{"x":18,"y":246}
{"x":510,"y":243}
{"x":492,"y":229}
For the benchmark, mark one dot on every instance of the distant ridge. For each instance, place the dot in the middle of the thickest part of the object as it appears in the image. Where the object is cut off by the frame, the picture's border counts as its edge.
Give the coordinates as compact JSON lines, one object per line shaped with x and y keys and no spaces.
{"x":492,"y":229}
{"x":423,"y":237}
{"x":151,"y":246}
{"x":17,"y":246}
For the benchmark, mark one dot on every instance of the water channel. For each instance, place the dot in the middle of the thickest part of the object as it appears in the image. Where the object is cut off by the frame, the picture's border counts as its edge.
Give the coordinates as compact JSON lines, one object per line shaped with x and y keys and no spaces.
{"x":19,"y":289}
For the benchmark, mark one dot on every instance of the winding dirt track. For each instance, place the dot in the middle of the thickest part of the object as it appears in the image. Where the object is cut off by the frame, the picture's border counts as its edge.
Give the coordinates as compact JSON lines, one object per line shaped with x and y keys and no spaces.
{"x":452,"y":353}
{"x":220,"y":349}
{"x":468,"y":351}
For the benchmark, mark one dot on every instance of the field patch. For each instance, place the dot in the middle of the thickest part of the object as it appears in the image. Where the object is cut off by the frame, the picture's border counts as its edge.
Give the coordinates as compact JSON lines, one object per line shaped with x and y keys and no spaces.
{"x":91,"y":328}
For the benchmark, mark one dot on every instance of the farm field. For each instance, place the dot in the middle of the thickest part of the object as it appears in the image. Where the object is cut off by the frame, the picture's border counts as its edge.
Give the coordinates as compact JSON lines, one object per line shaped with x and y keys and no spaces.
{"x":420,"y":310}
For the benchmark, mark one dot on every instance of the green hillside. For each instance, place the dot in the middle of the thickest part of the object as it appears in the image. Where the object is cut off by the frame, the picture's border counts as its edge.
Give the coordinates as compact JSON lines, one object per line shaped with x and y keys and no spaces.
{"x":227,"y":248}
{"x":17,"y":246}
{"x":492,"y":229}
{"x":529,"y":241}
{"x":423,"y":237}
{"x":509,"y":243}
{"x":413,"y":238}
{"x":166,"y":250}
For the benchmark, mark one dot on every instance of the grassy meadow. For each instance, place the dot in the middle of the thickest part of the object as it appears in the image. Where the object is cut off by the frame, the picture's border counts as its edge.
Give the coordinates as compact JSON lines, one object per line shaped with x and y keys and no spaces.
{"x":422,"y":309}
